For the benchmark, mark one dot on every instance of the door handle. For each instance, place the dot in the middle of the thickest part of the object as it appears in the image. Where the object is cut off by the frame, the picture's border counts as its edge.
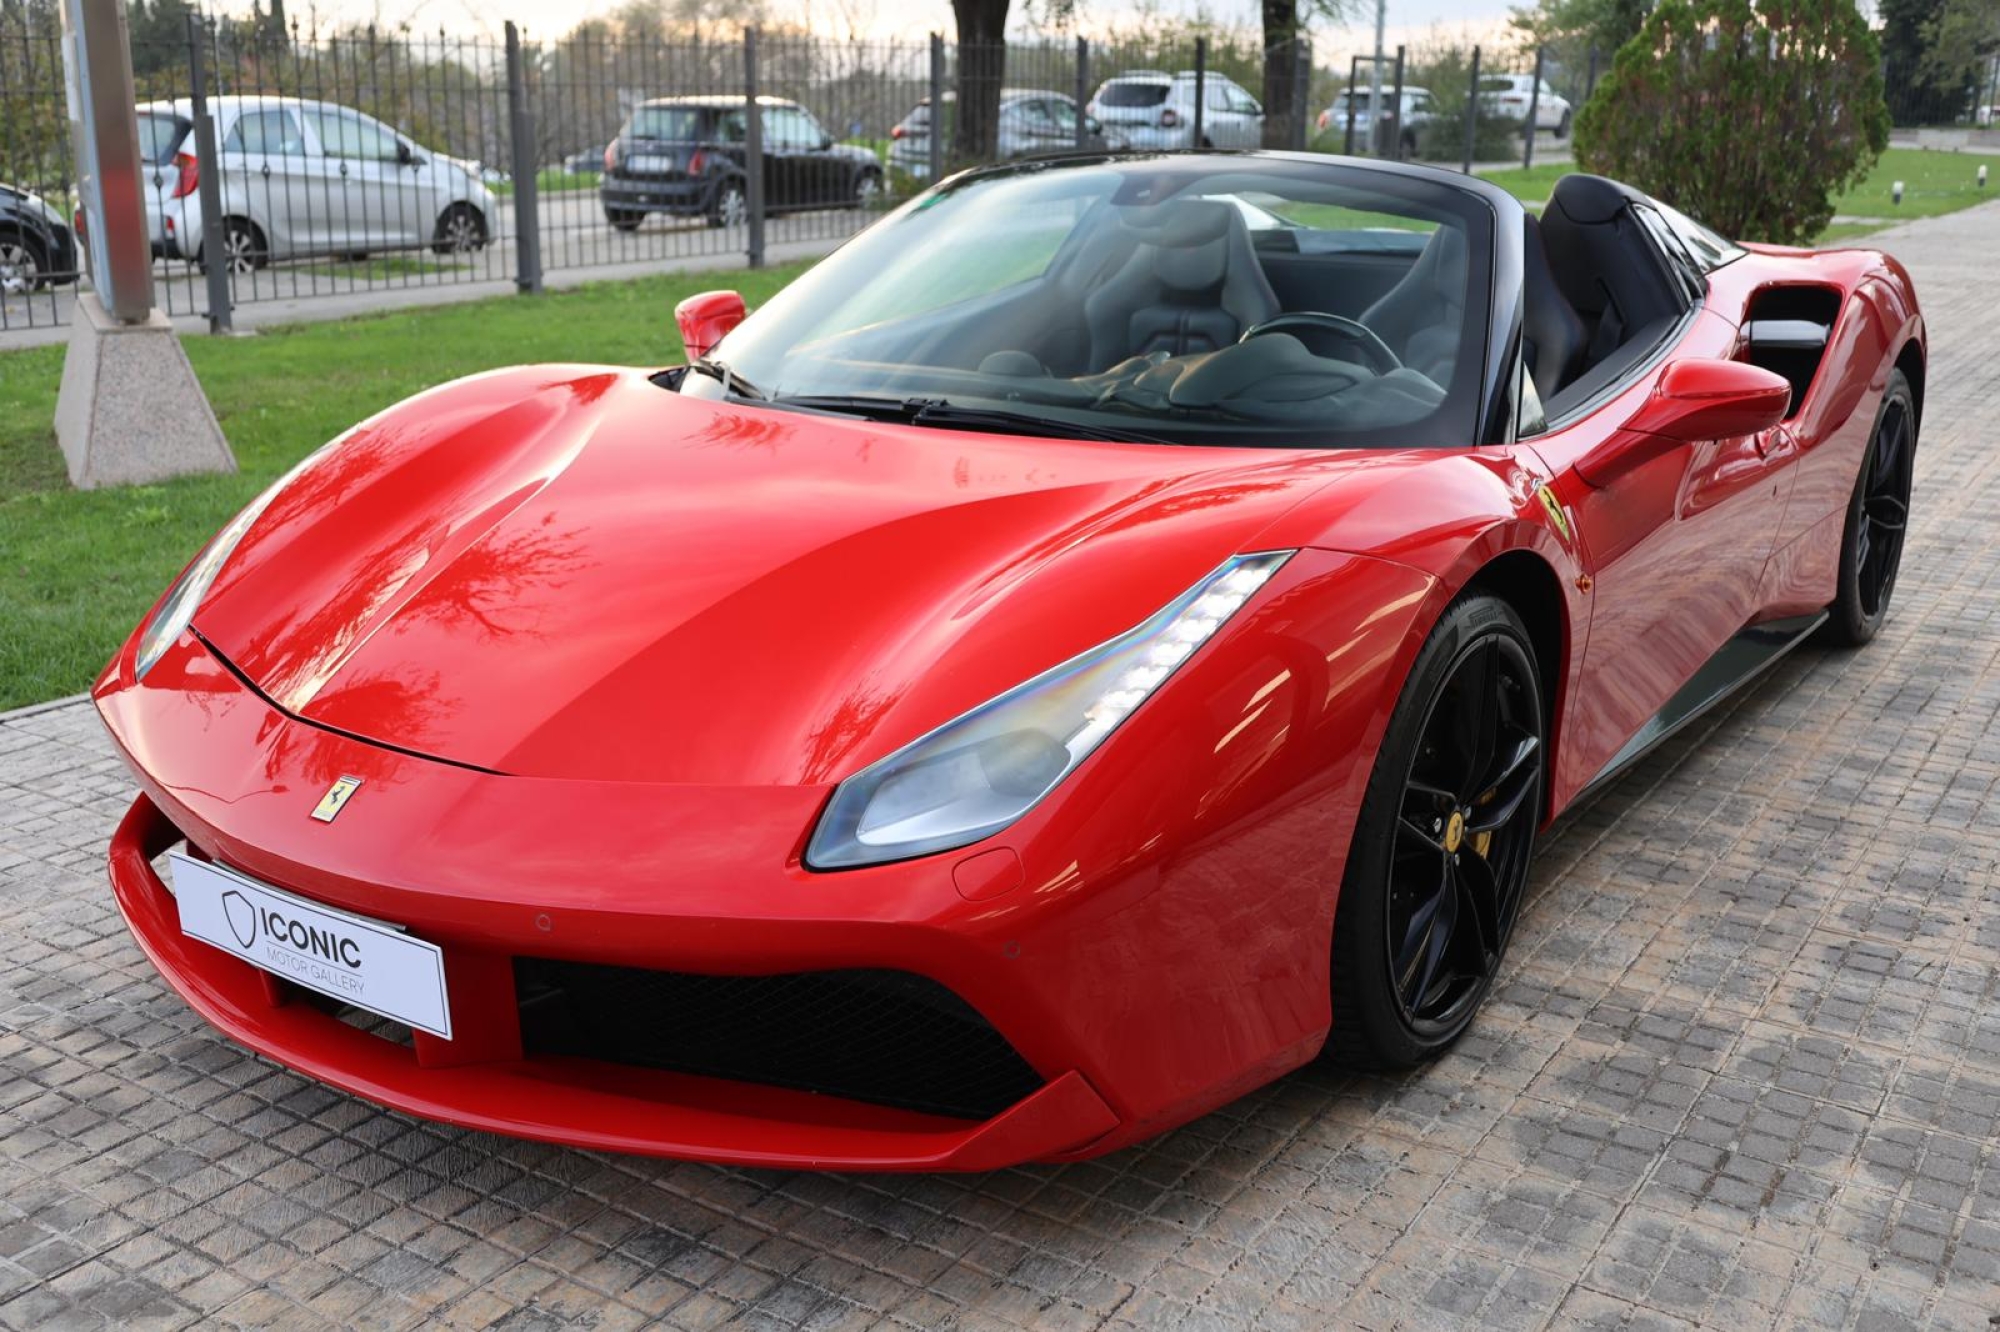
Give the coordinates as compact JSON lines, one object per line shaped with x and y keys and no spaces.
{"x":266,"y":170}
{"x":343,"y":168}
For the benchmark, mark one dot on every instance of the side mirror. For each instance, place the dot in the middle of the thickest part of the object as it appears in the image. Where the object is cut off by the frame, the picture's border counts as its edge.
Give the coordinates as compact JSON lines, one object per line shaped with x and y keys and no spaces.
{"x":705,"y":318}
{"x":1694,"y":400}
{"x":403,"y":153}
{"x":825,"y":142}
{"x":1093,"y":124}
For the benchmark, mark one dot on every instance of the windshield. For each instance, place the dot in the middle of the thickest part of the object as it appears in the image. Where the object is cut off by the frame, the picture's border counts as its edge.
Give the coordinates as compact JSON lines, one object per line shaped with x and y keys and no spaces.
{"x":1132,"y":94}
{"x":673,"y":123}
{"x":1118,"y":296}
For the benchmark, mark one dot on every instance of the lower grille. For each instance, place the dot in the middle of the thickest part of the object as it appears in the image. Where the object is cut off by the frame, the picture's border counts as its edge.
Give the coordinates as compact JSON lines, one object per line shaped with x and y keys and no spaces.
{"x":885,"y":1037}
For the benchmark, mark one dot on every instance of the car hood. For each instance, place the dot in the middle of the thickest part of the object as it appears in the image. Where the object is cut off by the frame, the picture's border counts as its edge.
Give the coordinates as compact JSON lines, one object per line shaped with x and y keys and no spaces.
{"x":572,"y":572}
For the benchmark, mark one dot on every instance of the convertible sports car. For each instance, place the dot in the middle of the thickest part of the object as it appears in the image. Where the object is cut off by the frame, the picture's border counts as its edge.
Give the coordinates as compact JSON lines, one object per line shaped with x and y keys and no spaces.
{"x":1107,"y":634}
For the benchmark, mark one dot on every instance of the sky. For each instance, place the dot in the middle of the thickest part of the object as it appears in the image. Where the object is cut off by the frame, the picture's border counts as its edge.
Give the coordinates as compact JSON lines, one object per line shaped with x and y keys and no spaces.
{"x":1412,"y":21}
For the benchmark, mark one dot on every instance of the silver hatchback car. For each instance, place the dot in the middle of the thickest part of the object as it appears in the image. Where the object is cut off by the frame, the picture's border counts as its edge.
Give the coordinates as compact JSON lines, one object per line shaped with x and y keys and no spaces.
{"x":1033,"y":121}
{"x":1153,"y":110}
{"x":303,"y":177}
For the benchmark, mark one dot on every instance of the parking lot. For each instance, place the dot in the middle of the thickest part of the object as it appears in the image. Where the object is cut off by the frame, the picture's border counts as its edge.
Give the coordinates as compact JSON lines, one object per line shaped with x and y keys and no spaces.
{"x":577,"y":245}
{"x":1742,"y":1069}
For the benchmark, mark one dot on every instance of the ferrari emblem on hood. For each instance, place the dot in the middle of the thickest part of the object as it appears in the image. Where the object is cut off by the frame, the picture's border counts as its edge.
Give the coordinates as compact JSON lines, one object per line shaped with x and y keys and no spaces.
{"x":335,"y":799}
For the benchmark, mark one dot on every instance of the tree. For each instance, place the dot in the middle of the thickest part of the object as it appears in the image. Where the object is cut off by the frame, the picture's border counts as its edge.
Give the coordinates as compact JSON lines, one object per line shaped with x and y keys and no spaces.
{"x":1962,"y":38}
{"x":1749,"y":116}
{"x":1578,"y":27}
{"x":1926,"y":82}
{"x":159,"y":37}
{"x":982,"y":69}
{"x":34,"y":145}
{"x":1284,"y":34}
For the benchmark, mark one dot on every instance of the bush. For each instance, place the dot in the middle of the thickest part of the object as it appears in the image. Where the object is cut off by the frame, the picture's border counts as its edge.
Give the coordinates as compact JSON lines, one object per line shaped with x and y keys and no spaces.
{"x":1750,"y":117}
{"x":1447,"y":71}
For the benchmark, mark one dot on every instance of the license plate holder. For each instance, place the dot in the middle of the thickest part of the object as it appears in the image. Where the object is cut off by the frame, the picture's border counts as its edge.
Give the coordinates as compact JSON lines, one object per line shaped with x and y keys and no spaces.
{"x":370,"y":964}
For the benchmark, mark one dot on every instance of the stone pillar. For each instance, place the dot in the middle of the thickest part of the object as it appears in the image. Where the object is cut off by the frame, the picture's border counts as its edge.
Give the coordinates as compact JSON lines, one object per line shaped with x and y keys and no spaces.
{"x":130,"y":410}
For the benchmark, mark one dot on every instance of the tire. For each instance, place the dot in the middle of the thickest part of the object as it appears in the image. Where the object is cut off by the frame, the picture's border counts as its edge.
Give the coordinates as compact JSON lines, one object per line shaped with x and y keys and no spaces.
{"x":1878,"y":512}
{"x":867,"y":188}
{"x":1409,"y":142}
{"x":24,"y":263}
{"x":1465,"y":746}
{"x":244,"y":249}
{"x":624,"y":219}
{"x":1562,"y":126}
{"x":729,"y":205}
{"x":461,"y":229}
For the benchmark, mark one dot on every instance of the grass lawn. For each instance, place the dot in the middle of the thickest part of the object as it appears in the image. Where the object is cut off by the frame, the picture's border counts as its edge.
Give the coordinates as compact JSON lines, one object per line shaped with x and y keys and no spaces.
{"x":553,"y":180}
{"x":78,"y":568}
{"x":1934,"y":182}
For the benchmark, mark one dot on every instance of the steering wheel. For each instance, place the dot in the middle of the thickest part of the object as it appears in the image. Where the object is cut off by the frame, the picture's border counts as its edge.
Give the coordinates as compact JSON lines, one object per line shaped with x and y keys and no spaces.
{"x":1382,"y":359}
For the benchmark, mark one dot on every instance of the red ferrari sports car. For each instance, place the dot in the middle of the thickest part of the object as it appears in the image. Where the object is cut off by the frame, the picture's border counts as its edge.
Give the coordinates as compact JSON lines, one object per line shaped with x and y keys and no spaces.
{"x":1106,"y":635}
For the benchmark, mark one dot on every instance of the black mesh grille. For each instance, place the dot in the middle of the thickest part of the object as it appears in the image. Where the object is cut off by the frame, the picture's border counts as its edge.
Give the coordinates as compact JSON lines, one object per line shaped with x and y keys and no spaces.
{"x":886,"y":1037}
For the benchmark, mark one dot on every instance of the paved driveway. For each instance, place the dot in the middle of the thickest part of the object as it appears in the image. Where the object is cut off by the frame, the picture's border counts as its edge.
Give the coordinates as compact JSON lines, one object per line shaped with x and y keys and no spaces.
{"x":1744,"y":1070}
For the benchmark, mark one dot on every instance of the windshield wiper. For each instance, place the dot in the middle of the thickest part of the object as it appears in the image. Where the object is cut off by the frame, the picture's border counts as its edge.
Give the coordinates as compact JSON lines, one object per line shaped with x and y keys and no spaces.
{"x":732,"y":383}
{"x":950,"y":416}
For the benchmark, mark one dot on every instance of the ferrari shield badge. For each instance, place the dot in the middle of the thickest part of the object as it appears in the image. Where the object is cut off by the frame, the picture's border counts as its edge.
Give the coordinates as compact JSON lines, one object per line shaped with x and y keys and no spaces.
{"x":1556,"y":514}
{"x":335,"y":799}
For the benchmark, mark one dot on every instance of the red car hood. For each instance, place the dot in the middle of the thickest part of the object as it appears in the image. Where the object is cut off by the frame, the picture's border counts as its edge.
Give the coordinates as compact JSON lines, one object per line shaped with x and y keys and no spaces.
{"x":570,"y":572}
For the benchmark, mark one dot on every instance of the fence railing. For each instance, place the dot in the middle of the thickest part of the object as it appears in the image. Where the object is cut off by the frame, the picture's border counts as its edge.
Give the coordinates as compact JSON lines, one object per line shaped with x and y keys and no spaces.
{"x":291,"y":167}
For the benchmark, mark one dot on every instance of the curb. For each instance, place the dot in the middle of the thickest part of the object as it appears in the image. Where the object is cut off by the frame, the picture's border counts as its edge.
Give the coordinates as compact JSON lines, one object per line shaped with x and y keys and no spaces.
{"x":15,"y":714}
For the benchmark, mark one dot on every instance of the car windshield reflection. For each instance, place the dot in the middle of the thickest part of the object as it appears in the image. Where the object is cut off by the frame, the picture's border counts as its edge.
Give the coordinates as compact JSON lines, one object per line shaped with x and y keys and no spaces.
{"x":1264,"y":302}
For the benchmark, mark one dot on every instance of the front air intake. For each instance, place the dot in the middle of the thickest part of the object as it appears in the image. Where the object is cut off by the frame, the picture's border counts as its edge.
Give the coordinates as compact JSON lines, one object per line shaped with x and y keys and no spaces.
{"x":889,"y":1038}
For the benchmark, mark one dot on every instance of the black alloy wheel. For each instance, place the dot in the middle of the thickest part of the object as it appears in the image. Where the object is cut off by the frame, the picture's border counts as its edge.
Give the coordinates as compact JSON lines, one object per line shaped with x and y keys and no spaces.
{"x":1439,"y":866}
{"x":1878,"y":519}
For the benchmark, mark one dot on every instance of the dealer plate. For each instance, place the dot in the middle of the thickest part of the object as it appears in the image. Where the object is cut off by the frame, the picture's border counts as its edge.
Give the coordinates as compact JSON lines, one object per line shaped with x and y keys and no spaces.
{"x":646,"y":164}
{"x":351,"y":958}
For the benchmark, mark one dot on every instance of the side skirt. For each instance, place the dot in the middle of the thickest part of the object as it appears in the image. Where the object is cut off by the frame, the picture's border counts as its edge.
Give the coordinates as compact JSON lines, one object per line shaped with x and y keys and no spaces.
{"x":1735,"y":664}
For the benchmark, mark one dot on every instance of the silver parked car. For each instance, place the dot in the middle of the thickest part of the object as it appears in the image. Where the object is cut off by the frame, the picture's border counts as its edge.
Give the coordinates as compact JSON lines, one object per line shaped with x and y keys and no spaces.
{"x":167,"y":164}
{"x":1154,"y":110}
{"x":1032,"y":121}
{"x":1509,"y":96}
{"x":303,"y":177}
{"x":1417,"y":110}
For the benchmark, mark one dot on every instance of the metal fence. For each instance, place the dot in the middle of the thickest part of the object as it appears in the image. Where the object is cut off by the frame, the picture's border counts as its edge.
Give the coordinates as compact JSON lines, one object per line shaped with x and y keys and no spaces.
{"x":355,"y":164}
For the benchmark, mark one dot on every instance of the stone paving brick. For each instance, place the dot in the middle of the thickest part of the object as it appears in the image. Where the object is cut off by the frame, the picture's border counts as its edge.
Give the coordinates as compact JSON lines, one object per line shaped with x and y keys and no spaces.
{"x":1742,"y":1070}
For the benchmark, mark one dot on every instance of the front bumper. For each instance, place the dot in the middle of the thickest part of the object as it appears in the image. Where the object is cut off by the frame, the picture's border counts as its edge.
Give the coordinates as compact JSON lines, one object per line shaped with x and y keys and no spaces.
{"x":1151,"y":945}
{"x":533,"y":883}
{"x":556,"y":1099}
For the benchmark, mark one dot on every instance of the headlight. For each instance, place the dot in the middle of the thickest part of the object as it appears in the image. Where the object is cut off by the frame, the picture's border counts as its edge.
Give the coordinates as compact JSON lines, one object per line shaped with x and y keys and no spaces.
{"x":180,"y":603}
{"x":974,"y":776}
